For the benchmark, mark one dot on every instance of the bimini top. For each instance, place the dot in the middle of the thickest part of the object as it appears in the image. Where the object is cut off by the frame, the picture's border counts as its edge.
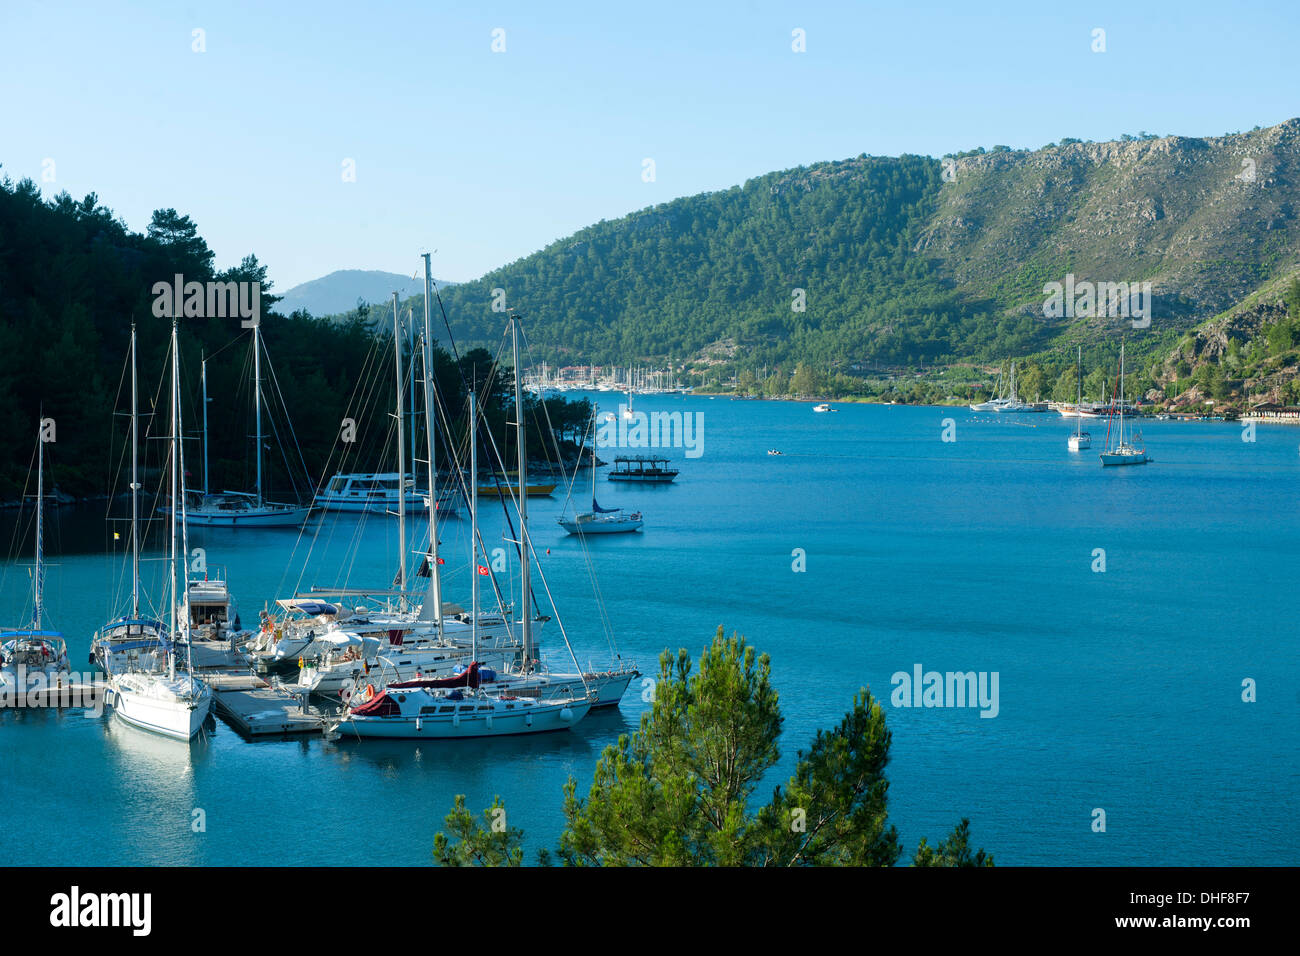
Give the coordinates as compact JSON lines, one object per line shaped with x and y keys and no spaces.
{"x":20,"y":634}
{"x":309,"y":607}
{"x":142,"y":622}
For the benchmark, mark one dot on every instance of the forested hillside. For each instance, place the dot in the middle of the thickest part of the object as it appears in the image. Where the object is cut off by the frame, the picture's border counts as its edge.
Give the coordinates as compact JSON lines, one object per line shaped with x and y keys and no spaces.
{"x":915,"y":260}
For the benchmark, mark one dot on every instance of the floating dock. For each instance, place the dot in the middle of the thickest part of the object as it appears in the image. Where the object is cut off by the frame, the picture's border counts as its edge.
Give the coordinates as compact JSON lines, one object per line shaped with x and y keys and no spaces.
{"x":250,"y":704}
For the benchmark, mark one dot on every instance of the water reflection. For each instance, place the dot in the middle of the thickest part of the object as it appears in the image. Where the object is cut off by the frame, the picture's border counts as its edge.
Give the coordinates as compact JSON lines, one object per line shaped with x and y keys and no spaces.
{"x":154,"y":783}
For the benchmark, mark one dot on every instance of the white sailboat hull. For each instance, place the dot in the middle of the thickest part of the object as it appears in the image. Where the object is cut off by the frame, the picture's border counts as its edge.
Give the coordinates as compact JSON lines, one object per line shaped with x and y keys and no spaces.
{"x":606,"y":688}
{"x":600,"y":526}
{"x":277,"y":518}
{"x":468,"y":721}
{"x":1131,"y":457}
{"x":157,"y":706}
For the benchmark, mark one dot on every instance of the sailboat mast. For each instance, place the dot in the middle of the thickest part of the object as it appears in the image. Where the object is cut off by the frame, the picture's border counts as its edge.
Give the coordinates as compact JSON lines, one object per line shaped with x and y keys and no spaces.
{"x":473,"y":519}
{"x":411,"y":342}
{"x":435,"y":575}
{"x":185,"y":547}
{"x":135,"y":488}
{"x":204,"y":377}
{"x":1121,"y":393}
{"x":40,"y":526}
{"x":1078,"y":407}
{"x":401,"y":453}
{"x":257,"y":400}
{"x":176,"y":506}
{"x":525,"y":597}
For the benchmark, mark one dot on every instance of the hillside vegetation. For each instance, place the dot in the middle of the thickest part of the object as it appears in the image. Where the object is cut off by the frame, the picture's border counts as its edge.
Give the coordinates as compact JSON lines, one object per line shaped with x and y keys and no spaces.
{"x":914,"y":260}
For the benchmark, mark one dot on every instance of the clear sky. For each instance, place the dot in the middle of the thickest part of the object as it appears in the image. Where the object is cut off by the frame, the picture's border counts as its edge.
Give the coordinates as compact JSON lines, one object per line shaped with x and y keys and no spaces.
{"x":488,"y":156}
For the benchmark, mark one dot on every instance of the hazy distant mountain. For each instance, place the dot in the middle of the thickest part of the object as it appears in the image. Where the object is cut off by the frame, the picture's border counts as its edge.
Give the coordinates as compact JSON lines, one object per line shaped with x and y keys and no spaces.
{"x":339,"y":291}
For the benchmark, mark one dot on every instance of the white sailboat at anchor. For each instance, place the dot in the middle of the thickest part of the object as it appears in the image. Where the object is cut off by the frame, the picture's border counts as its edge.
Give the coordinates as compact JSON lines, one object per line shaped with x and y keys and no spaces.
{"x":1123,"y":452}
{"x":599,"y":520}
{"x":237,"y":509}
{"x":1080,"y":440}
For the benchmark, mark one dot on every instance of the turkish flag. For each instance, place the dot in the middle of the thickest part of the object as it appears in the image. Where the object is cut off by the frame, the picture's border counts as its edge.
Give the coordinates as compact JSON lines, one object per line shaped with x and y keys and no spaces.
{"x":481,"y":570}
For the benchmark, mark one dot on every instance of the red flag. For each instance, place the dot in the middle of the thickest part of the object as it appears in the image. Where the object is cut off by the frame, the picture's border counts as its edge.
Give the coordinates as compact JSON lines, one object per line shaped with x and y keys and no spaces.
{"x":441,"y":561}
{"x":481,"y":570}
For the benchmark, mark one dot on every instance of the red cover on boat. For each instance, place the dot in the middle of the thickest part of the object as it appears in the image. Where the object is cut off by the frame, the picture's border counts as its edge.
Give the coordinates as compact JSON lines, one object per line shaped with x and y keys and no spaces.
{"x":381,"y":706}
{"x":467,"y":679}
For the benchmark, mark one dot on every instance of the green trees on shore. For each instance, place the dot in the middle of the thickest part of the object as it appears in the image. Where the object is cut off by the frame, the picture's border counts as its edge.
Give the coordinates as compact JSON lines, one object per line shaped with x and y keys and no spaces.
{"x":679,"y":792}
{"x":73,"y":279}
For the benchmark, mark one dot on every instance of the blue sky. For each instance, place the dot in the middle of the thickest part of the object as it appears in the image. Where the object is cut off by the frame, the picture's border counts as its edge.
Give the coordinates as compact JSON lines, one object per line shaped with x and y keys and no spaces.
{"x":486,"y":157}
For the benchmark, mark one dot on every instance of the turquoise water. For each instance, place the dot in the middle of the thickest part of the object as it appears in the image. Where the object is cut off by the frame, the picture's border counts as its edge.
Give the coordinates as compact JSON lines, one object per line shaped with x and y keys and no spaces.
{"x":1119,"y":690}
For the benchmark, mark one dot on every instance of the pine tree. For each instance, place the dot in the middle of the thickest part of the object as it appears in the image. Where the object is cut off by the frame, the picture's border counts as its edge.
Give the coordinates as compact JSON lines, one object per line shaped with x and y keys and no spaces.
{"x":679,"y":791}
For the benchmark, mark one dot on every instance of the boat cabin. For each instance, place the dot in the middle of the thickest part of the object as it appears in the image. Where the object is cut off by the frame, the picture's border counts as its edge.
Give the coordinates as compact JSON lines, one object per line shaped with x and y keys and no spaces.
{"x":642,"y":468}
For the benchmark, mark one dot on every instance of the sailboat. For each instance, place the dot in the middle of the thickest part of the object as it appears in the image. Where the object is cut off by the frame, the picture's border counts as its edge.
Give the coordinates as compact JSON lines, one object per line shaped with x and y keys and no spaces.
{"x":33,"y":661}
{"x":458,"y":706}
{"x":994,"y":403}
{"x":1013,"y":402}
{"x":1122,"y":452}
{"x":167,"y":703}
{"x":235,"y":509}
{"x":131,"y":642}
{"x":1080,"y":440}
{"x":599,"y":520}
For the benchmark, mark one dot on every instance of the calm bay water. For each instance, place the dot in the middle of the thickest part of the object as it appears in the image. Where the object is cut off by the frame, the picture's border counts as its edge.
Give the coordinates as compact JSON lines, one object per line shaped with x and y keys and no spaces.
{"x":1119,"y":690}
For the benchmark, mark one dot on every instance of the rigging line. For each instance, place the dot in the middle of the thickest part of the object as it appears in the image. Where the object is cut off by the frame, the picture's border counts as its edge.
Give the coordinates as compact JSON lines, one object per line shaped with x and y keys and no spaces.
{"x":18,"y":523}
{"x":472,"y":435}
{"x":339,"y":448}
{"x":354,"y":552}
{"x":284,"y":409}
{"x":606,"y":624}
{"x":481,"y":396}
{"x":559,"y":620}
{"x":517,"y":538}
{"x":113,"y":590}
{"x":229,"y":344}
{"x":550,"y":427}
{"x":360,"y":398}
